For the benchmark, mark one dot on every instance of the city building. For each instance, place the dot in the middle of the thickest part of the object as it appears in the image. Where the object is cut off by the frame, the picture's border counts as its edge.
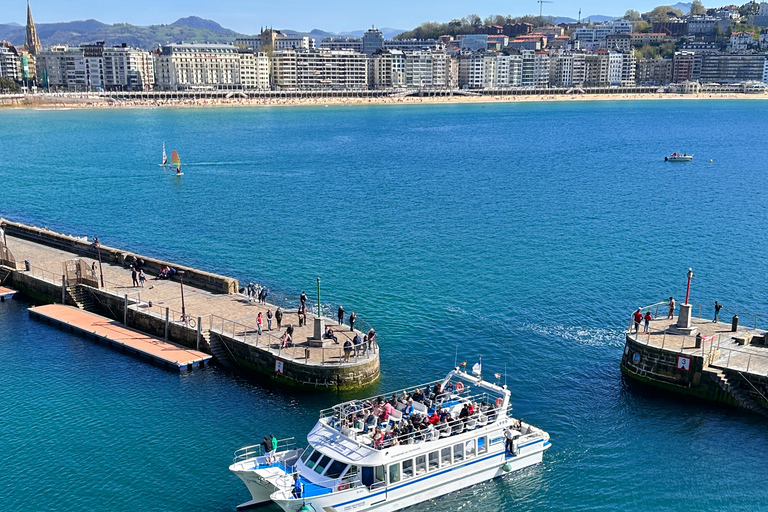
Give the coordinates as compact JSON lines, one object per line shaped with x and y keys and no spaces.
{"x":128,"y":69}
{"x":686,"y":67}
{"x":474,"y":42}
{"x":639,"y":39}
{"x":673,"y":28}
{"x":349,"y":43}
{"x":741,"y":41}
{"x":198,"y":66}
{"x":10,"y":66}
{"x":600,"y":30}
{"x":728,"y":68}
{"x":276,"y":40}
{"x":373,"y":40}
{"x":413,"y":44}
{"x":306,"y":70}
{"x":620,"y":42}
{"x":653,"y":72}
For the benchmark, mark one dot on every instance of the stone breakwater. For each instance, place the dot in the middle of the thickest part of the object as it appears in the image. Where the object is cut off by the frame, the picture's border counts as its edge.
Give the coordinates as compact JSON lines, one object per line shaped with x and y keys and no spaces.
{"x":50,"y":267}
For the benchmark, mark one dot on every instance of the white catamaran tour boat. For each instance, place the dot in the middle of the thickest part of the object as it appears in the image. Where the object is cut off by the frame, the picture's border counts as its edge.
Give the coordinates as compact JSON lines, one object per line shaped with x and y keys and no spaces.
{"x":385,"y":455}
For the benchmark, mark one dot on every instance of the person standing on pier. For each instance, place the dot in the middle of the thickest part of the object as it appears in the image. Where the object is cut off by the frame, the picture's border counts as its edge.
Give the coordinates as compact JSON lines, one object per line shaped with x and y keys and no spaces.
{"x":638,"y":317}
{"x":371,"y":339}
{"x":259,"y":322}
{"x":269,"y":319}
{"x":303,"y":314}
{"x":135,"y":277}
{"x":718,"y":307}
{"x":352,"y":318}
{"x":303,"y":299}
{"x":340,"y":315}
{"x":647,"y":327}
{"x":142,"y":277}
{"x":671,"y":313}
{"x":279,"y":317}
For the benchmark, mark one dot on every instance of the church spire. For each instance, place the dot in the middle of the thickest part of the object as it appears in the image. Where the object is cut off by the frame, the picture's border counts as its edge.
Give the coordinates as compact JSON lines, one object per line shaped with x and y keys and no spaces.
{"x":31,"y":42}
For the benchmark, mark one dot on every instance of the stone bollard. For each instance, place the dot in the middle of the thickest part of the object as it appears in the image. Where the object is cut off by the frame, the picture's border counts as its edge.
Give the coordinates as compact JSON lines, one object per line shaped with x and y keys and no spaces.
{"x":735,"y":323}
{"x":306,"y":353}
{"x":698,"y":340}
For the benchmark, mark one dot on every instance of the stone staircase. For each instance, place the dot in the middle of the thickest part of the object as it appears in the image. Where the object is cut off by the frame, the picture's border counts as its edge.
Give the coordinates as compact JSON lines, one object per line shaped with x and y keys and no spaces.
{"x":79,"y":296}
{"x":218,"y":350}
{"x":737,"y":392}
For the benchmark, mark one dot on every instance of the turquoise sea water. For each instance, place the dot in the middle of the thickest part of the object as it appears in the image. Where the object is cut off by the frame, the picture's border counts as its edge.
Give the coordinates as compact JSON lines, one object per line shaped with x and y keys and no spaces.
{"x":525,"y":233}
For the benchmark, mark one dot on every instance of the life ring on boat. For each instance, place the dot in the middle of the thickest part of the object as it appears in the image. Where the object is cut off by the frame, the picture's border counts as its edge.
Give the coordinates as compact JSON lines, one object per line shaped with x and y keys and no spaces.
{"x":459,"y":387}
{"x":499,"y":401}
{"x":343,"y":486}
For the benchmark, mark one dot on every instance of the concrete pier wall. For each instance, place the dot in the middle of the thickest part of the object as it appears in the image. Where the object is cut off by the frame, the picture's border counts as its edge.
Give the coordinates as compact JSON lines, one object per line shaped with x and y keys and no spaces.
{"x":286,"y":371}
{"x":201,"y":279}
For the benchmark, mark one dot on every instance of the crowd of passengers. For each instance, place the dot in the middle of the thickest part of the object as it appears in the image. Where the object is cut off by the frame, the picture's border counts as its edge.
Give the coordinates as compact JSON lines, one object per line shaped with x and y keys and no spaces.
{"x":414,"y":426}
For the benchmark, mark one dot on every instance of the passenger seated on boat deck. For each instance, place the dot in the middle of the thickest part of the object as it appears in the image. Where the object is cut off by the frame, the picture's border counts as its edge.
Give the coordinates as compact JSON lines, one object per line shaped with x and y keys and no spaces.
{"x":418,"y":395}
{"x":298,"y":487}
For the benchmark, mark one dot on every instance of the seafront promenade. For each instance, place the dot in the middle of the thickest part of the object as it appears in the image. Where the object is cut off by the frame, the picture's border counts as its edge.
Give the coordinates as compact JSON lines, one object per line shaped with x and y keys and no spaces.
{"x":231,"y":317}
{"x":720,"y":361}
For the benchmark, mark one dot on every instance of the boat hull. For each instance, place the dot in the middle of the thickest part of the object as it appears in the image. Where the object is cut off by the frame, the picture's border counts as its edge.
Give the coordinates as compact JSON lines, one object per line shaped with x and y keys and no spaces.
{"x":678,"y":158}
{"x":421,"y":488}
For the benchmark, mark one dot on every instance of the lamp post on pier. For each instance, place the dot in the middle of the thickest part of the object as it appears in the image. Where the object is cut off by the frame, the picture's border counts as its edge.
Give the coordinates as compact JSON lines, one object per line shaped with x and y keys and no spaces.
{"x":688,"y":289}
{"x":98,"y":251}
{"x":683,"y":325}
{"x":183,"y":310}
{"x":319,"y":308}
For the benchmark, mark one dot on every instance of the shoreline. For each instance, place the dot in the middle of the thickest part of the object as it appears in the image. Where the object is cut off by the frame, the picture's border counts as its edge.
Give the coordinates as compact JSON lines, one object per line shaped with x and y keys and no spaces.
{"x":59,"y":102}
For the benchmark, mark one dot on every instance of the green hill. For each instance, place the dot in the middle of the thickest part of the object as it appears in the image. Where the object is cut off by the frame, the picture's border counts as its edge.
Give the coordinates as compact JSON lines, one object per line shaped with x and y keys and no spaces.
{"x":190,"y":29}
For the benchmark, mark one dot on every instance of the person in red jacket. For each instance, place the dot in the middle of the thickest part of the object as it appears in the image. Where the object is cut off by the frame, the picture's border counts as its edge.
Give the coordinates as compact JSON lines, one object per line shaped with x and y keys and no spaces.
{"x":638,"y":317}
{"x":648,"y":317}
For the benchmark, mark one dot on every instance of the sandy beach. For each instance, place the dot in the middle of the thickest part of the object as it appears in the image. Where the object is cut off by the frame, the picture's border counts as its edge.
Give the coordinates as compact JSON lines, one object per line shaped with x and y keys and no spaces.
{"x":94,"y":101}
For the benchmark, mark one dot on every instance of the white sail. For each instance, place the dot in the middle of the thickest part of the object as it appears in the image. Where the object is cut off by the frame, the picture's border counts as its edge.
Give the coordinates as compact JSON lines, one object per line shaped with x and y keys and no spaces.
{"x":165,"y":157}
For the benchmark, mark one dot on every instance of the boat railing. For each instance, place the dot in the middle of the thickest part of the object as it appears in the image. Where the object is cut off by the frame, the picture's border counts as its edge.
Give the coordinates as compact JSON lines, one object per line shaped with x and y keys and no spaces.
{"x":358,"y":404}
{"x":332,"y":484}
{"x":257,"y":450}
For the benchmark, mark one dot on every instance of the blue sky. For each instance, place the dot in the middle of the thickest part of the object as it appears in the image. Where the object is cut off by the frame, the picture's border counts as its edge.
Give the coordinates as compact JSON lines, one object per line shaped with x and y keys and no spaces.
{"x":335,"y":15}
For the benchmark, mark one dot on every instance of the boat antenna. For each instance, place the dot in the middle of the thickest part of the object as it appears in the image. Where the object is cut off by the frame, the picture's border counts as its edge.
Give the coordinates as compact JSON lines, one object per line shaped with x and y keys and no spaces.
{"x":456,"y":356}
{"x":505,"y":374}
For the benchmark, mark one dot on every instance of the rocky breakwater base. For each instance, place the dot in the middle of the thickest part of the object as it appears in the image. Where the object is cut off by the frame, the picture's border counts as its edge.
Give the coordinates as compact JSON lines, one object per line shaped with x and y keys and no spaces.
{"x":695,"y":356}
{"x":193,"y":308}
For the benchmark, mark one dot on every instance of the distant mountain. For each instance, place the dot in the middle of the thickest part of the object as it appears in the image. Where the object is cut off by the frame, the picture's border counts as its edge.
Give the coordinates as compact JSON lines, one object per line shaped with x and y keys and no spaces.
{"x":190,"y":29}
{"x":197,"y":22}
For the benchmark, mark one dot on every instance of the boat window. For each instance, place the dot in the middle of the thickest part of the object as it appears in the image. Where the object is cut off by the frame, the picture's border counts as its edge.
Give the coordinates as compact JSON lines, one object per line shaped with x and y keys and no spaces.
{"x":482,"y":445}
{"x":434,"y":460}
{"x":469,"y":449}
{"x":458,"y":452}
{"x":421,"y":464}
{"x":394,"y":473}
{"x":305,"y":455}
{"x":322,"y":464}
{"x":380,"y":476}
{"x":313,"y":459}
{"x":335,"y":469}
{"x":407,"y":468}
{"x":445,"y":456}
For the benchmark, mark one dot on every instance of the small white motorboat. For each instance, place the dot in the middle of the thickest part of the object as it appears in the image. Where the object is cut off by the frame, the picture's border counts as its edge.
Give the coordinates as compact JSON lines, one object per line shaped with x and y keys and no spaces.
{"x":678,"y":157}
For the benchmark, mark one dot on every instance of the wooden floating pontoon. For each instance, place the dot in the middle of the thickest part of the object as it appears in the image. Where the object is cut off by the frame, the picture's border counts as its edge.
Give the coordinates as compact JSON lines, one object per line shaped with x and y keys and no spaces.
{"x":114,"y":333}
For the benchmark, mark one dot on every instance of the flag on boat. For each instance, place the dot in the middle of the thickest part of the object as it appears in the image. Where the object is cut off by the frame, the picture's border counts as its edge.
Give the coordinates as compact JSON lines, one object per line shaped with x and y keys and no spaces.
{"x":464,"y":364}
{"x":497,"y":375}
{"x":477,"y":368}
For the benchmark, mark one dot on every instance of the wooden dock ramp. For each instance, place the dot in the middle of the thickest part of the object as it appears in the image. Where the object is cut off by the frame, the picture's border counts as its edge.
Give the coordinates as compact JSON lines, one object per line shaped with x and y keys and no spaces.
{"x":116,"y":334}
{"x":6,"y":293}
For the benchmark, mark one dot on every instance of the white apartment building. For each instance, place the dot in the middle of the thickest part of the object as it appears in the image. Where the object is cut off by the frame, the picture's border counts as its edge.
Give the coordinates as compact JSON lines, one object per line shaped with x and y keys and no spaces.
{"x":601,"y":30}
{"x":10,"y":65}
{"x":474,"y":42}
{"x":350,"y":43}
{"x":128,"y":69}
{"x":254,"y":70}
{"x":277,"y":40}
{"x":615,"y":61}
{"x":386,"y":70}
{"x":541,"y":71}
{"x":741,"y":41}
{"x":413,"y":44}
{"x":319,"y":69}
{"x":198,"y":66}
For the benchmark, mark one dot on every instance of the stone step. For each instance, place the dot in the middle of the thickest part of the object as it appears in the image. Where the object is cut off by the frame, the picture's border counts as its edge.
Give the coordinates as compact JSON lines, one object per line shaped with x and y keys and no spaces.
{"x":219,"y":352}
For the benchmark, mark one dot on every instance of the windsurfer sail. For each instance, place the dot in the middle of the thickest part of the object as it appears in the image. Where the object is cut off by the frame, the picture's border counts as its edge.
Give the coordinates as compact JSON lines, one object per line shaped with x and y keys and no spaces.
{"x":165,"y":157}
{"x":175,"y":162}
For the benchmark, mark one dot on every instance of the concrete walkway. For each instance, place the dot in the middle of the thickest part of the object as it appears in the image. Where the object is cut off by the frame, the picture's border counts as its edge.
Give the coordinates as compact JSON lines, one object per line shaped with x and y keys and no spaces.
{"x":230,"y":311}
